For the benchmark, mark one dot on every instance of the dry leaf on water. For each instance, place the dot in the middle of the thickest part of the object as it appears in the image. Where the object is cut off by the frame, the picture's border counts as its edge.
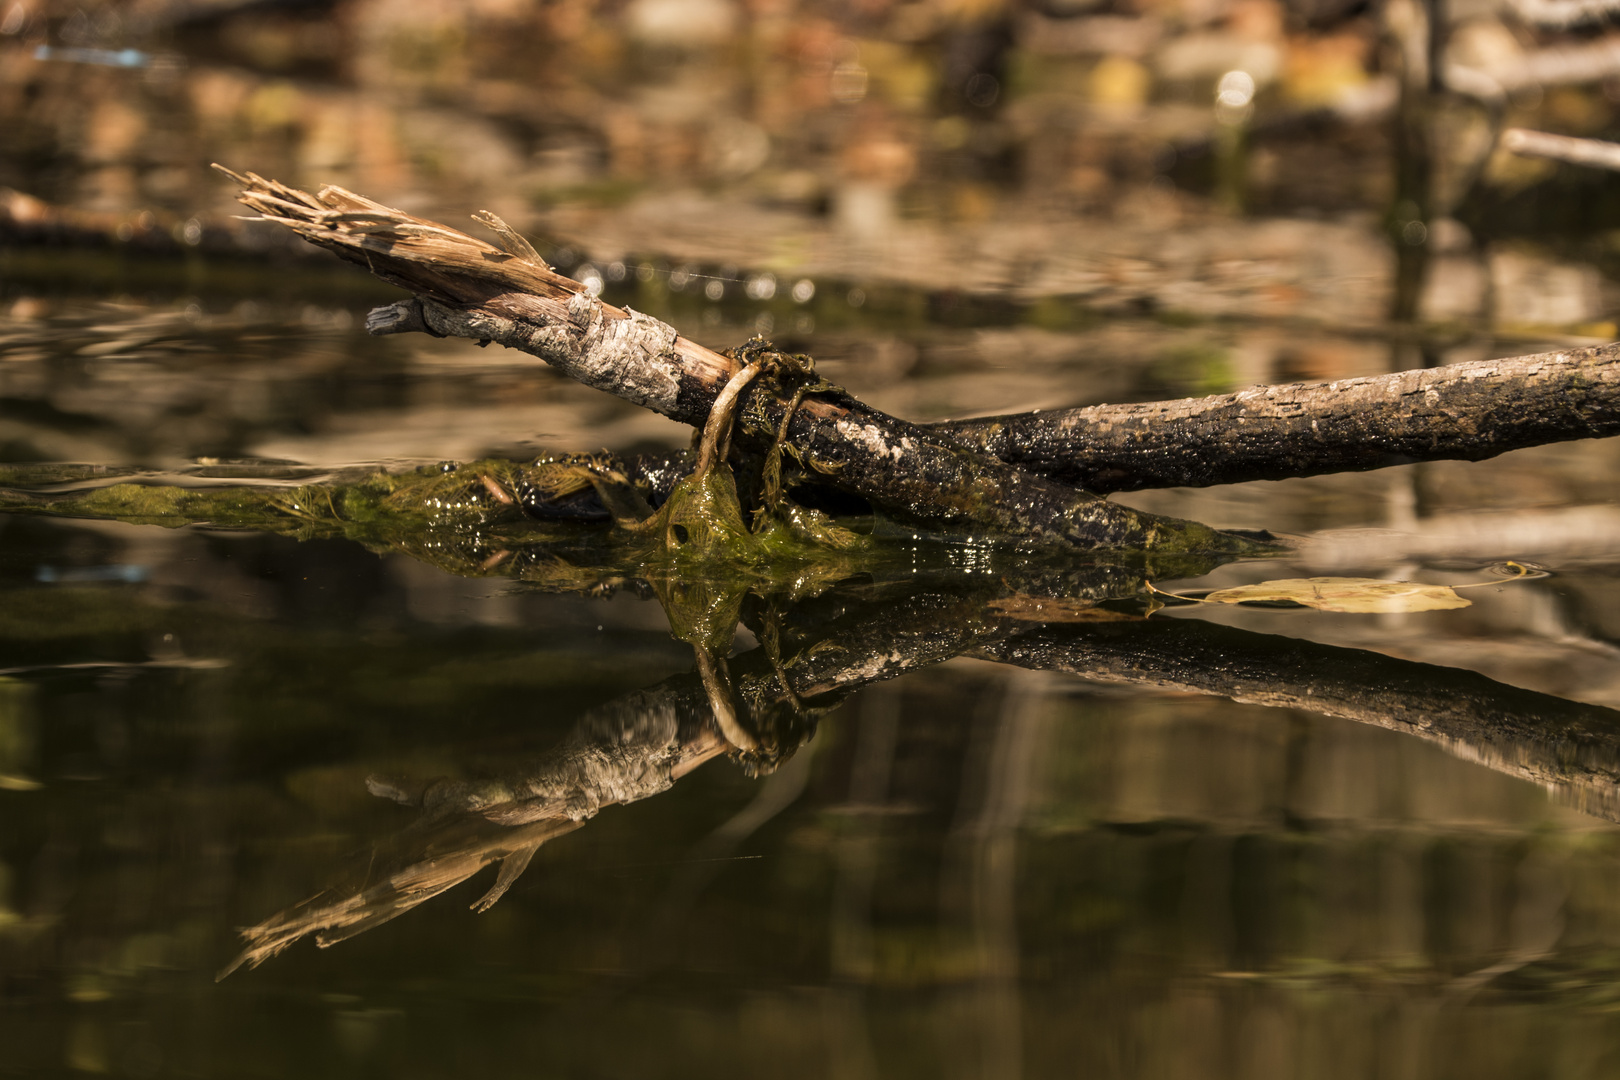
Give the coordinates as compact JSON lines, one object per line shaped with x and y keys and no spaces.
{"x":1056,"y":610}
{"x":1356,"y":595}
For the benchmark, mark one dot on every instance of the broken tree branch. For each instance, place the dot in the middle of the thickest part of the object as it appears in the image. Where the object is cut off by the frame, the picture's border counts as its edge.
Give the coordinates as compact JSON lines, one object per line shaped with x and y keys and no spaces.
{"x":1469,"y":412}
{"x":467,"y":288}
{"x":1011,"y":475}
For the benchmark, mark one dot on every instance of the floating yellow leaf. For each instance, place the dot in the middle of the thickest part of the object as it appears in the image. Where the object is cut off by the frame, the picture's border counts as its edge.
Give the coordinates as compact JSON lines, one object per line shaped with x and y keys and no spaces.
{"x":1359,"y":595}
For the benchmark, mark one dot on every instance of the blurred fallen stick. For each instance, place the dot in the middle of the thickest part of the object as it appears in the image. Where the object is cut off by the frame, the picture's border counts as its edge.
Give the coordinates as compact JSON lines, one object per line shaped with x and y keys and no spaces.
{"x":1561,"y":14}
{"x":1594,"y":152}
{"x":1558,"y":65}
{"x":1562,"y":536}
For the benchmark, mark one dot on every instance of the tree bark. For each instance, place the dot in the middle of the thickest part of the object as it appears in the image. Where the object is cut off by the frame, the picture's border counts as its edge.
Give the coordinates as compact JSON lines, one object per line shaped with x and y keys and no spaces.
{"x":467,"y":288}
{"x":1468,"y":412}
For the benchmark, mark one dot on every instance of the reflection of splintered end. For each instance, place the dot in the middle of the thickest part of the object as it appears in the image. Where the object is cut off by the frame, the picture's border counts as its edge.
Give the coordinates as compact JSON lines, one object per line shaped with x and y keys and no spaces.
{"x":336,"y":915}
{"x":234,"y":964}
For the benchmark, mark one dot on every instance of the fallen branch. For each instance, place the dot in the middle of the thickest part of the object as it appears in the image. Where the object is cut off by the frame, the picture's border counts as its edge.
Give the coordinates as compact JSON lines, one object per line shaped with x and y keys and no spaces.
{"x":1012,"y":476}
{"x":1469,"y":412}
{"x":467,"y":288}
{"x":1597,"y":153}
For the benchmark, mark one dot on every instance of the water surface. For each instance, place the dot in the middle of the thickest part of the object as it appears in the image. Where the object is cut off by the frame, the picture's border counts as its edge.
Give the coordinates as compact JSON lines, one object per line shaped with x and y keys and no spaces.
{"x":1043,"y":848}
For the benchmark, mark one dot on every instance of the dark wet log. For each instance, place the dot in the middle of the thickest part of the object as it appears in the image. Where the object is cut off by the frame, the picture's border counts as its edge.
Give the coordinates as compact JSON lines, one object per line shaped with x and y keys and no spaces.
{"x":1466,"y":412}
{"x":467,"y":288}
{"x":1570,"y":748}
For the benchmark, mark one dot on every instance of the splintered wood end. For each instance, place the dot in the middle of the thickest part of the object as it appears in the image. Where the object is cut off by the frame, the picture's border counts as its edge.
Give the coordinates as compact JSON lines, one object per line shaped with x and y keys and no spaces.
{"x":430,"y":259}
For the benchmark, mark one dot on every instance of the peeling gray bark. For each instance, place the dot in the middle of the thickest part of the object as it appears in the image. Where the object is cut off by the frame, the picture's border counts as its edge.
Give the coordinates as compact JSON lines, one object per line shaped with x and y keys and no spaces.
{"x":1468,"y":412}
{"x":633,"y":357}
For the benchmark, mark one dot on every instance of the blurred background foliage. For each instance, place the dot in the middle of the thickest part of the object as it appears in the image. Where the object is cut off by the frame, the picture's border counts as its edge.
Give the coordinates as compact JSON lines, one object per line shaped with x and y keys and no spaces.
{"x":1091,"y":149}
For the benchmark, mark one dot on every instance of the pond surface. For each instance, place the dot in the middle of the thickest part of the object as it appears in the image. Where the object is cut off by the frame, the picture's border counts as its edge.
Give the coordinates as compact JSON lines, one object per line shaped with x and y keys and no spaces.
{"x":940,"y":810}
{"x":1029,"y":831}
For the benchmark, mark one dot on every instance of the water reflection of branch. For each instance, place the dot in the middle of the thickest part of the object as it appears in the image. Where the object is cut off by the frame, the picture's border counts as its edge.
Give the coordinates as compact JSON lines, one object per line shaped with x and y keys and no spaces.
{"x":1570,"y":748}
{"x":633,"y":747}
{"x":641,"y":743}
{"x":442,"y":859}
{"x":979,"y":877}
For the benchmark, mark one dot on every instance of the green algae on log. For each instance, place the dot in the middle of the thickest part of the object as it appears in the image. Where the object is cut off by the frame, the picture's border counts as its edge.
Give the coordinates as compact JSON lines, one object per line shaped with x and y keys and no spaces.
{"x":465,"y":287}
{"x":475,"y":520}
{"x":472,"y":518}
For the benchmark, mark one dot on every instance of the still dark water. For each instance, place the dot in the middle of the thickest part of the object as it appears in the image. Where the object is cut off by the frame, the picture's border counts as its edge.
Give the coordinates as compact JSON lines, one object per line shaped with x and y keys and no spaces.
{"x":1195,"y":845}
